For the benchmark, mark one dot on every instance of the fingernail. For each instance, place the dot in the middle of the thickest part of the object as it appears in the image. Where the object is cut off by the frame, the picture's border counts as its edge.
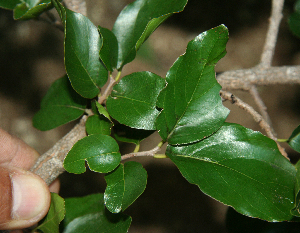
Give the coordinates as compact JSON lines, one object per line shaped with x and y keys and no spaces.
{"x":29,"y":196}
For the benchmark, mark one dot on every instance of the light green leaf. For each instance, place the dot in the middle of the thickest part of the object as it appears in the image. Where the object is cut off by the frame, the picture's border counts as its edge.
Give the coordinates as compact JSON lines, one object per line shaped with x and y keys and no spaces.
{"x":137,"y":21}
{"x":31,"y":9}
{"x":240,"y":168}
{"x":88,"y":214}
{"x":294,"y":140}
{"x":62,"y":100}
{"x":133,"y":100}
{"x":124,"y":185}
{"x":56,"y":213}
{"x":192,"y":107}
{"x":82,"y":47}
{"x":109,"y":50}
{"x":100,"y":151}
{"x":102,"y":111}
{"x":98,"y":125}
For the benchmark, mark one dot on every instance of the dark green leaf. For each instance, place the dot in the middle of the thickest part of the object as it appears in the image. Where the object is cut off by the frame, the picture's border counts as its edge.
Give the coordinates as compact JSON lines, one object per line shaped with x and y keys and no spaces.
{"x":124,"y":185}
{"x":294,"y":140}
{"x":60,"y":105}
{"x":294,"y":23}
{"x":109,"y":50}
{"x":98,"y":125}
{"x":137,"y":21}
{"x":88,"y":214}
{"x":56,"y":213}
{"x":296,"y":210}
{"x":192,"y":107}
{"x":31,"y":9}
{"x":241,"y":168}
{"x":100,"y":151}
{"x":133,"y":100}
{"x":9,"y":4}
{"x":124,"y":133}
{"x":82,"y":47}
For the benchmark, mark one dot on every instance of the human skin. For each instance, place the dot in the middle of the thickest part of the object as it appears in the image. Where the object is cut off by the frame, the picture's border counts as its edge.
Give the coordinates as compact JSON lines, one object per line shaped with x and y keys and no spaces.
{"x":24,"y":196}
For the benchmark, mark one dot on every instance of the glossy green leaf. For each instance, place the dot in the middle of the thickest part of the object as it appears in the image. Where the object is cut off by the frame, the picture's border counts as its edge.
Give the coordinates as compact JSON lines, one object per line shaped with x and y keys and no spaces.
{"x":137,"y":21}
{"x":296,"y":210}
{"x":109,"y":50}
{"x":102,"y":111}
{"x":192,"y":107}
{"x":124,"y":133}
{"x":88,"y":214}
{"x":100,"y":151}
{"x":62,"y":100}
{"x":82,"y":47}
{"x":240,"y":168}
{"x":56,"y":213}
{"x":133,"y":100}
{"x":98,"y":125}
{"x":124,"y":185}
{"x":31,"y":9}
{"x":9,"y":4}
{"x":294,"y":140}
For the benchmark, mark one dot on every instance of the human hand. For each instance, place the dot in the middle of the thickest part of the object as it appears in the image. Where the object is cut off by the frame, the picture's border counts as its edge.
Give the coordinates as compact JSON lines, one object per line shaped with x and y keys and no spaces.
{"x":24,"y":196}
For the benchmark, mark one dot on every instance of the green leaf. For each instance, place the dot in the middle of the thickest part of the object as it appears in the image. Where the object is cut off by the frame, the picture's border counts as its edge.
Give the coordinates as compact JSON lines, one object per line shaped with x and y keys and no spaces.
{"x":133,"y":100}
{"x":137,"y":21}
{"x":296,"y":210}
{"x":9,"y":4}
{"x":56,"y":213}
{"x":98,"y":125}
{"x":100,"y":151}
{"x":240,"y":168}
{"x":109,"y":50}
{"x":124,"y":133}
{"x":124,"y":185}
{"x":60,"y":105}
{"x":88,"y":214}
{"x":102,"y":111}
{"x":294,"y":23}
{"x":82,"y":46}
{"x":31,"y":9}
{"x":294,"y":140}
{"x":192,"y":107}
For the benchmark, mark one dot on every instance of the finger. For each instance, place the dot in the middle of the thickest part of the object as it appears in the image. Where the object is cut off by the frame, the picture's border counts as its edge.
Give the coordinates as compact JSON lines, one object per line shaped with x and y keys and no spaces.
{"x":14,"y":152}
{"x":24,"y":199}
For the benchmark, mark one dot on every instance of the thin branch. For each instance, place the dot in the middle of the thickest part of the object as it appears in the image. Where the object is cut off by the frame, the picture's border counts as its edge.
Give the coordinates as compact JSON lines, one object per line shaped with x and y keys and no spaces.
{"x":270,"y":43}
{"x":142,"y":153}
{"x":108,"y":90}
{"x":50,"y":165}
{"x":246,"y":78}
{"x":256,"y":116}
{"x":261,"y":106}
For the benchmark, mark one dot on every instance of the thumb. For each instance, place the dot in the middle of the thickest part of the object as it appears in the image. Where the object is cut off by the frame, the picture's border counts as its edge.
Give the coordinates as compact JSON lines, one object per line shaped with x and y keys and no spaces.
{"x":24,"y":198}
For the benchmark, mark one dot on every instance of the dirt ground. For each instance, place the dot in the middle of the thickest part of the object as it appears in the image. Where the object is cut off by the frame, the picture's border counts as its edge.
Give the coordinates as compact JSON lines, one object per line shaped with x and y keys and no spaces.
{"x":31,"y":58}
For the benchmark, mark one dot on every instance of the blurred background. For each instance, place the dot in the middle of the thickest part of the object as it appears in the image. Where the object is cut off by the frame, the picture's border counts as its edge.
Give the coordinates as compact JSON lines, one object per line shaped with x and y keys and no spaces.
{"x":31,"y":58}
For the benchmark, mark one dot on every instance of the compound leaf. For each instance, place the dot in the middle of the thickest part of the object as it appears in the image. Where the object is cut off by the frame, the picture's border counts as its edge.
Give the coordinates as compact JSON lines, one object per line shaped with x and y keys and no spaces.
{"x":82,"y":47}
{"x":100,"y":151}
{"x":124,"y":185}
{"x":133,"y":100}
{"x":62,"y":100}
{"x":136,"y":23}
{"x":240,"y":168}
{"x":56,"y":213}
{"x":294,"y":140}
{"x":88,"y":214}
{"x":192,"y":107}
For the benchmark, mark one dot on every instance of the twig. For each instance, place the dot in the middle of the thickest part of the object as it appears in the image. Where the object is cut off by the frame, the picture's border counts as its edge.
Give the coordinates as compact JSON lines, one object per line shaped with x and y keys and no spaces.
{"x":256,"y":116}
{"x":50,"y":165}
{"x":108,"y":90}
{"x":142,"y":153}
{"x":270,"y":43}
{"x":245,"y":79}
{"x":261,"y":106}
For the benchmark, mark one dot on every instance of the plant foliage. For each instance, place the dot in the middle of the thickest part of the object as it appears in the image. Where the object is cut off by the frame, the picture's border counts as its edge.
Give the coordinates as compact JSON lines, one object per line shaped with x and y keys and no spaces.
{"x":235,"y":165}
